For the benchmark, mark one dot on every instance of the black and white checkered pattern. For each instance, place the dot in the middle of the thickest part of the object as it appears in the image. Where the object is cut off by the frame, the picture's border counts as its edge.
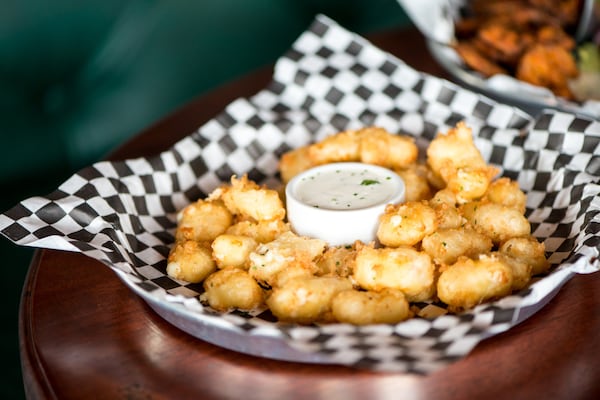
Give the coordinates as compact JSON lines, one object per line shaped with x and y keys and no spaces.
{"x":123,"y":213}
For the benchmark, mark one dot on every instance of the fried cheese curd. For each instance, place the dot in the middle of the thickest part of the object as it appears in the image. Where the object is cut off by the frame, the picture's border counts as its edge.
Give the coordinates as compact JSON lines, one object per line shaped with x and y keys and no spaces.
{"x":460,"y":237}
{"x":455,"y":160}
{"x":372,"y":145}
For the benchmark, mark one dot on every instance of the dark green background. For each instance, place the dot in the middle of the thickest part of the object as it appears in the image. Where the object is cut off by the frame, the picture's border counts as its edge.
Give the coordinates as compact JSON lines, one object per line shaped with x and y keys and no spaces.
{"x":77,"y":78}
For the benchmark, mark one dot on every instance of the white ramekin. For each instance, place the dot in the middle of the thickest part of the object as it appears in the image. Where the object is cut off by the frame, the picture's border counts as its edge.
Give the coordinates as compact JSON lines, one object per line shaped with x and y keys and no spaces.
{"x":339,"y":226}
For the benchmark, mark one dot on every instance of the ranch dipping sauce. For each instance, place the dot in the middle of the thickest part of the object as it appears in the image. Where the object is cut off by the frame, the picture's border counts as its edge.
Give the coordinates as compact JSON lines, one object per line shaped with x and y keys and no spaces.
{"x":341,"y":202}
{"x":346,"y":187}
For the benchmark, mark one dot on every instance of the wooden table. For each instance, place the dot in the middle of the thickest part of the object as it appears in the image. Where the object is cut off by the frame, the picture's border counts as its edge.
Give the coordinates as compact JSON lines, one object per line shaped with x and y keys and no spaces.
{"x":84,"y":334}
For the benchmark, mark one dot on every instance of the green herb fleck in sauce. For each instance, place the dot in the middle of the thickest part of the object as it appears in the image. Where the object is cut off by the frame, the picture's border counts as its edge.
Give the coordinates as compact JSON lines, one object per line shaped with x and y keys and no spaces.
{"x":368,"y":182}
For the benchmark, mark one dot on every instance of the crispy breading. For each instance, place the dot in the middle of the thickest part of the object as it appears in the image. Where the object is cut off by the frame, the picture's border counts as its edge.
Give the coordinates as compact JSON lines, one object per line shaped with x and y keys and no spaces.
{"x":402,"y":268}
{"x":249,"y":200}
{"x":406,"y":224}
{"x":445,"y":246}
{"x":307,"y":299}
{"x":232,"y":288}
{"x":548,"y":65}
{"x":528,"y":39}
{"x":497,"y":221}
{"x":371,"y":145}
{"x":387,"y":306}
{"x":190,"y":261}
{"x":203,"y":220}
{"x":268,"y":259}
{"x":461,"y":237}
{"x":232,"y":250}
{"x":470,"y":282}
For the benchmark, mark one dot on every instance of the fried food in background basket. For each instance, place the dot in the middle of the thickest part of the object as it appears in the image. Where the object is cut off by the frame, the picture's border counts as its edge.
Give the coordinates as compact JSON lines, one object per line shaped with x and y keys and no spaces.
{"x":531,"y":40}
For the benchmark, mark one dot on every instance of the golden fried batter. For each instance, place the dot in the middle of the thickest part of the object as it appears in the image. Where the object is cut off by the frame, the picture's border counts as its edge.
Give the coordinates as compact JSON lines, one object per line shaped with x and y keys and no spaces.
{"x":477,"y":61}
{"x":445,"y":246}
{"x":249,"y":200}
{"x":378,"y":146}
{"x":232,"y":250}
{"x":203,"y":220}
{"x":548,"y":66}
{"x":452,"y":150}
{"x":551,"y":34}
{"x":529,"y":250}
{"x":337,"y":261}
{"x":306,"y":300}
{"x":521,"y":38}
{"x":461,"y":236}
{"x":454,"y":157}
{"x":566,"y":11}
{"x":402,"y":268}
{"x":506,"y":192}
{"x":387,"y":306}
{"x":232,"y":288}
{"x":372,"y":145}
{"x":190,"y":261}
{"x":261,"y":231}
{"x":470,"y":282}
{"x":406,"y":224}
{"x":497,"y":221}
{"x":505,"y":41}
{"x":415,"y":177}
{"x":268,"y":259}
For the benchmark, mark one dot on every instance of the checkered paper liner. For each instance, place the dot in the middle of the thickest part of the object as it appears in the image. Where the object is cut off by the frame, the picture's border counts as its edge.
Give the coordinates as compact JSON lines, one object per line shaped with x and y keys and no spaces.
{"x":124,"y":213}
